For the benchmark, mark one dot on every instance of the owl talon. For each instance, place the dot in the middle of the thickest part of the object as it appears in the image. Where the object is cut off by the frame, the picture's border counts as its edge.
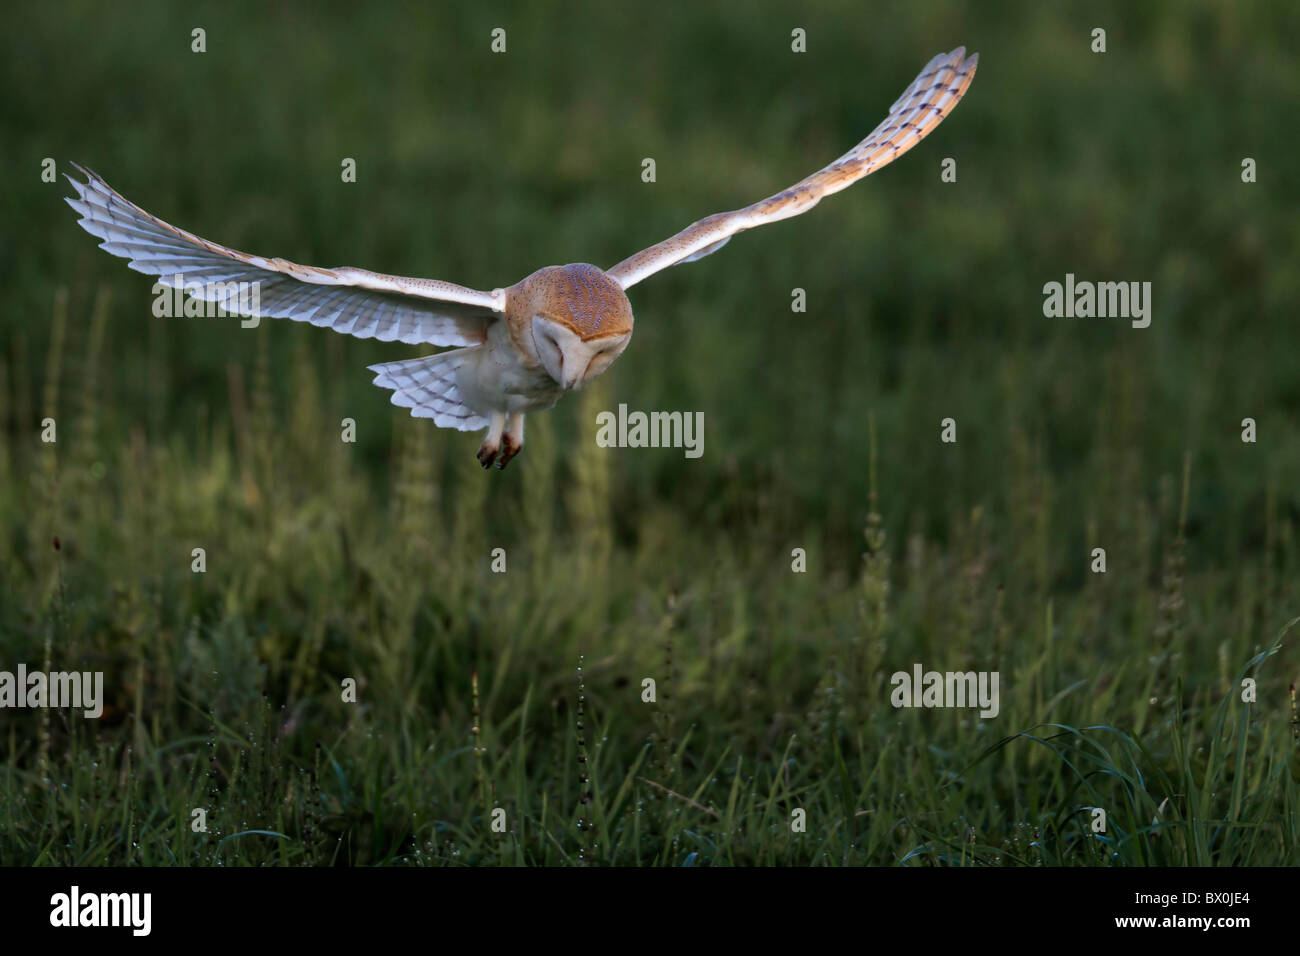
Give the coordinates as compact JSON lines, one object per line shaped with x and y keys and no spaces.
{"x":487,"y":454}
{"x":509,"y":448}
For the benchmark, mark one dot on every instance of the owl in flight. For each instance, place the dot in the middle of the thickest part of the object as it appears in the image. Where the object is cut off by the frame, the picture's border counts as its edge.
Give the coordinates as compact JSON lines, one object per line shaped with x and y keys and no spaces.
{"x":520,"y":348}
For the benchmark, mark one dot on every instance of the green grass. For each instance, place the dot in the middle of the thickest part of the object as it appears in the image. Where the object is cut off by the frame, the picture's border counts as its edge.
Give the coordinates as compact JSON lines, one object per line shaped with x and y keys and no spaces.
{"x":328,"y":561}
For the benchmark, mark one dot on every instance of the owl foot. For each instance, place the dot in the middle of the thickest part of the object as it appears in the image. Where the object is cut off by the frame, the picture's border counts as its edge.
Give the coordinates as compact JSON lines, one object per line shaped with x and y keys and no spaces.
{"x":509,"y":448}
{"x":487,"y":454}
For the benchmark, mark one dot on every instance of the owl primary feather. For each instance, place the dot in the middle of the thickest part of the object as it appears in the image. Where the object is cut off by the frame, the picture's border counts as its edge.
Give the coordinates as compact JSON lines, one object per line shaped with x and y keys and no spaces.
{"x":517,"y":349}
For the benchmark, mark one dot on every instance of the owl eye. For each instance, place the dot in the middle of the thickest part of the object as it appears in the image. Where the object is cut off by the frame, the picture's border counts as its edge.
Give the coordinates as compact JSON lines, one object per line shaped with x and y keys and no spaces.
{"x":600,"y":361}
{"x":552,"y":350}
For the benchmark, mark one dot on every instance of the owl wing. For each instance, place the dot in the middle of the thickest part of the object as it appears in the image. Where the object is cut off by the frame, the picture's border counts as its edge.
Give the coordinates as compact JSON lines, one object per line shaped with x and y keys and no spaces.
{"x":355,"y":301}
{"x":923,"y":105}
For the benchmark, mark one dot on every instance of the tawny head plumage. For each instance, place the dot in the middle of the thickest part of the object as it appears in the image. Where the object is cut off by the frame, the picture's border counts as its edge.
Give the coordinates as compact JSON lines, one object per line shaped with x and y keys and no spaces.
{"x":580,"y":297}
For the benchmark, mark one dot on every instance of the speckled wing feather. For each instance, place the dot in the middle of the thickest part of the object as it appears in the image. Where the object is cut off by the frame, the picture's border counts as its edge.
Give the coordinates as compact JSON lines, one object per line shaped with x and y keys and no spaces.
{"x":355,"y":301}
{"x":923,"y":105}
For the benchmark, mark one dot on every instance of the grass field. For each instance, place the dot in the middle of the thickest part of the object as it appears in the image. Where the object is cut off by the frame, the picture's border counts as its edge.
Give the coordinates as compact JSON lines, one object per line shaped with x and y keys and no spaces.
{"x":522,"y":691}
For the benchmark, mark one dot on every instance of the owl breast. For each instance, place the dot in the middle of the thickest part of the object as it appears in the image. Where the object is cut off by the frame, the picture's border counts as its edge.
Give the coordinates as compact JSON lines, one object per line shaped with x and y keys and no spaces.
{"x":499,"y":378}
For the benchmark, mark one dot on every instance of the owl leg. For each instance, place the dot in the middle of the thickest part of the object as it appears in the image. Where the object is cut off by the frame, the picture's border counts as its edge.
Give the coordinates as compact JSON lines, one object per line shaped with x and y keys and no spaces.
{"x":512,"y":441}
{"x":487,"y":452}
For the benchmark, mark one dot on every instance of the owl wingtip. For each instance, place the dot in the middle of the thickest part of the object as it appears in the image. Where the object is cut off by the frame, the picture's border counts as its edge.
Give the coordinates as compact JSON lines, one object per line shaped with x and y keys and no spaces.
{"x":959,"y":57}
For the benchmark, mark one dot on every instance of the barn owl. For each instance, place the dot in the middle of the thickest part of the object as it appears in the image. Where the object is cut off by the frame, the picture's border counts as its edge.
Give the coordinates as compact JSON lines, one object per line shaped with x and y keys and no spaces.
{"x":517,"y":349}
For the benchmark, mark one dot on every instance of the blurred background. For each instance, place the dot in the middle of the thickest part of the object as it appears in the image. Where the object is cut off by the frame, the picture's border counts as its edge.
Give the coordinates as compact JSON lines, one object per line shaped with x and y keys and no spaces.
{"x":370,"y":560}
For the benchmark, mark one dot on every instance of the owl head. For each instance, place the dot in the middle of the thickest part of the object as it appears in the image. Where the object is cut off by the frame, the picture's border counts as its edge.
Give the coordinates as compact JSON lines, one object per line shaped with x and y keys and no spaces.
{"x":579,"y":322}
